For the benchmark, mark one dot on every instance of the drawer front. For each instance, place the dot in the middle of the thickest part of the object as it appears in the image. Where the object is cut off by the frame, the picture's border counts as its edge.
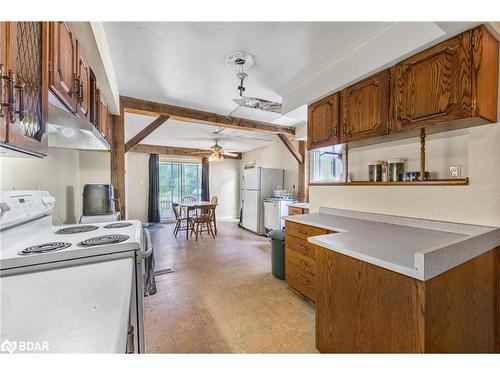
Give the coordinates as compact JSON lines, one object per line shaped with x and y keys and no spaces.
{"x":303,"y":231}
{"x":300,"y":281}
{"x":303,"y":263}
{"x":302,"y":247}
{"x":294,"y":211}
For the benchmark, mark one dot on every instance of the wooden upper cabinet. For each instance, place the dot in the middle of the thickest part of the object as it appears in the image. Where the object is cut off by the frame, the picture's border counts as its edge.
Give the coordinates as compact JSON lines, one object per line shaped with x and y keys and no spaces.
{"x":323,"y":122}
{"x":63,"y":64}
{"x":433,"y":86}
{"x":364,"y":108}
{"x":83,"y":84}
{"x":485,"y":53}
{"x":7,"y":46}
{"x":24,"y":56}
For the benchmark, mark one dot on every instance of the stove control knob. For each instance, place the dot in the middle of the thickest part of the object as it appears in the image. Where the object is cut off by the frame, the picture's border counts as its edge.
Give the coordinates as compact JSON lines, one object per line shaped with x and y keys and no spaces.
{"x":4,"y":207}
{"x":49,"y":202}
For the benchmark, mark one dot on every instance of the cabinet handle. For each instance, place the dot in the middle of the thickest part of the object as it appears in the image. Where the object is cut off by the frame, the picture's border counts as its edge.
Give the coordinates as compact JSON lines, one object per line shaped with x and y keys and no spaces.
{"x":80,"y":92}
{"x":397,"y":112}
{"x":302,"y":248}
{"x":334,"y":132}
{"x":303,"y":231}
{"x":21,"y":111}
{"x":305,"y":280}
{"x":11,"y":101}
{"x":344,"y":128}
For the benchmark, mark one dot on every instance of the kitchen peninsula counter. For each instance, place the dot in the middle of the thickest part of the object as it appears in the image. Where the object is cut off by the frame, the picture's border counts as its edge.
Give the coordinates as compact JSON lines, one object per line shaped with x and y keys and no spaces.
{"x":387,"y":284}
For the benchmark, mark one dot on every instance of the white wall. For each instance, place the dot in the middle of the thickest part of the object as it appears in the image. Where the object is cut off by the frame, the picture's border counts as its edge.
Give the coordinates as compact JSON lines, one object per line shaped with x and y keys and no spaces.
{"x":136,"y":186}
{"x":476,"y":149}
{"x":275,"y":155}
{"x":224,"y":182}
{"x":63,"y":173}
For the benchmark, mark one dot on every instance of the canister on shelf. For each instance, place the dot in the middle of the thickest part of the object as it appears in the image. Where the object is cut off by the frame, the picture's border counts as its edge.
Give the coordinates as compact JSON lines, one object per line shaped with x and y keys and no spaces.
{"x":385,"y":171}
{"x":375,"y":171}
{"x":396,"y":169}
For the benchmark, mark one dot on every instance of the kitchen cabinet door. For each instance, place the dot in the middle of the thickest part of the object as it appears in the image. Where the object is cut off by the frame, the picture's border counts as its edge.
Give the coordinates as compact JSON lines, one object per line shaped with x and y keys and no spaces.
{"x":364,"y":108}
{"x":323,"y":122}
{"x":7,"y":61}
{"x":102,"y":116}
{"x":62,"y":64}
{"x":433,"y":86}
{"x":25,"y":50}
{"x":83,"y":84}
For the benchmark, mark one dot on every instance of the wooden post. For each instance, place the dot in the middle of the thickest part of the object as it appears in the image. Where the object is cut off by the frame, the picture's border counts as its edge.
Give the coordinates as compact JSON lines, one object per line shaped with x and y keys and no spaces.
{"x":346,"y":162}
{"x":422,"y":154}
{"x":303,"y":188}
{"x":118,"y":160}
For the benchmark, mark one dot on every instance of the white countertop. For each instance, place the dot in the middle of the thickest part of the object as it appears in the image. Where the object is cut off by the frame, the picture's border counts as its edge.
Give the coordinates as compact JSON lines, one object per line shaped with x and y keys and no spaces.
{"x":414,"y":247}
{"x":76,"y":309}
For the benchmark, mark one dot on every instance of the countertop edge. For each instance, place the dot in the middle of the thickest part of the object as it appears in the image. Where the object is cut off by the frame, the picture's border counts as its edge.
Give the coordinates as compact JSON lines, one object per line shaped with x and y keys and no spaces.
{"x":414,"y":273}
{"x":428,"y":264}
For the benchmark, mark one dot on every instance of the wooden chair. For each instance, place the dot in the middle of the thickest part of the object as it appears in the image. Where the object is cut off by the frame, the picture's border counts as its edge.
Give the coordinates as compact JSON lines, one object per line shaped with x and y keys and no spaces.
{"x":203,"y":222}
{"x":215,"y":200}
{"x":179,"y":219}
{"x":187,"y":199}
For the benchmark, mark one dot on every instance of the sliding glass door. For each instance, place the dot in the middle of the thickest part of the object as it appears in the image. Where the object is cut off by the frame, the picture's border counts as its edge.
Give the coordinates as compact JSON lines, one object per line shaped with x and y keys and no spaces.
{"x":177,"y":180}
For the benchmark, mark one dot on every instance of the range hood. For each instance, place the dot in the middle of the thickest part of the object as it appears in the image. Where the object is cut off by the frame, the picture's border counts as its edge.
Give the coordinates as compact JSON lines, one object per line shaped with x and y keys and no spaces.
{"x":67,"y":130}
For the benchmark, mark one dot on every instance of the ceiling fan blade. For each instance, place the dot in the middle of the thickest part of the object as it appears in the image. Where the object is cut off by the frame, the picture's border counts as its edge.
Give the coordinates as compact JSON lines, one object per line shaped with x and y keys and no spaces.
{"x":202,"y":152}
{"x":262,"y":104}
{"x":230,"y":154}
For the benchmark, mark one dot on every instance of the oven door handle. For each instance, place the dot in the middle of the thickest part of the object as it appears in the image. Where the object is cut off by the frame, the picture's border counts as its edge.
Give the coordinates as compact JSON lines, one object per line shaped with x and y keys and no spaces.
{"x":149,"y":245}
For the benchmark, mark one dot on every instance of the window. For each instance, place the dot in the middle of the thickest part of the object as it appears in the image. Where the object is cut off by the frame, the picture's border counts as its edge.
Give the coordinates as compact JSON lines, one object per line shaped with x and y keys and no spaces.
{"x":177,"y":180}
{"x":326,"y":165}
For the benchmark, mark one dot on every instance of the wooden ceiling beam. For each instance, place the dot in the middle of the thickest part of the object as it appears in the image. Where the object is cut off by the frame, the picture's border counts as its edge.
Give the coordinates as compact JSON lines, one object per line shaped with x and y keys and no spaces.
{"x":289,"y":145}
{"x":179,"y":151}
{"x":145,"y":107}
{"x":134,"y":141}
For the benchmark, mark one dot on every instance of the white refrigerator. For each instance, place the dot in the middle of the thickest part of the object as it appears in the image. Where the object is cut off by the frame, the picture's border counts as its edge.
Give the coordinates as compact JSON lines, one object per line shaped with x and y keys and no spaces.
{"x":256,"y":184}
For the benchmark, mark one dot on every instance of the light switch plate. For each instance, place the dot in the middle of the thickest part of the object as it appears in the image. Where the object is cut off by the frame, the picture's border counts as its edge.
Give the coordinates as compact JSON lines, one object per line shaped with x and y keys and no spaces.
{"x":455,"y":172}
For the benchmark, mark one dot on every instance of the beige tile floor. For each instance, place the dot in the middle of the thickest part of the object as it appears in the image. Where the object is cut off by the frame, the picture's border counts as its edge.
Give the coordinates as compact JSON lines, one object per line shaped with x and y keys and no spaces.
{"x":222,"y":298}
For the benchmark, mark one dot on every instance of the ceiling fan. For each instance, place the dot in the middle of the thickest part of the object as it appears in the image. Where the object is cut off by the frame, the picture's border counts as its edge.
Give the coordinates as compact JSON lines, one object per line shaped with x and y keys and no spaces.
{"x":216,"y":152}
{"x":241,"y":62}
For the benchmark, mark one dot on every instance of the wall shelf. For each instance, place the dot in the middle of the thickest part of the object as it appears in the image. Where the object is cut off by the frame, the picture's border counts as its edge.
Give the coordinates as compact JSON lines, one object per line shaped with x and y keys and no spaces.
{"x":453,"y":182}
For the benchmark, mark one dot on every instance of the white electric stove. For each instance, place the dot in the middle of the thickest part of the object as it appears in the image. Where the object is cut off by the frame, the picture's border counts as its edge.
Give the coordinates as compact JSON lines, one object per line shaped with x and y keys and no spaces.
{"x":77,"y":287}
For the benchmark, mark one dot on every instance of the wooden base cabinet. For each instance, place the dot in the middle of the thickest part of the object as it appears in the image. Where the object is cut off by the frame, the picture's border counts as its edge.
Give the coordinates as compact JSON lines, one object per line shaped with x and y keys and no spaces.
{"x":300,"y":258}
{"x":362,"y":308}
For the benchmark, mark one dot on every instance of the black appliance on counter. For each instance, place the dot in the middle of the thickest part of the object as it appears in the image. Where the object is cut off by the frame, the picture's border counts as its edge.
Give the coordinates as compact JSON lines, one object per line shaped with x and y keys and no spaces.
{"x":98,"y":199}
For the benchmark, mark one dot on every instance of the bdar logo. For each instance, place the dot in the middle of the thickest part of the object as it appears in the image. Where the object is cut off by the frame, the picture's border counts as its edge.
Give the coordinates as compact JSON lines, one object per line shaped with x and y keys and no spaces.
{"x":8,"y":346}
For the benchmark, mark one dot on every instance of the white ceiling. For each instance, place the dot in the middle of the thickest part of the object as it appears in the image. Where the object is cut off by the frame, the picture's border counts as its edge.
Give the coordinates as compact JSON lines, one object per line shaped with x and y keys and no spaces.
{"x":183,"y":63}
{"x":181,"y":134}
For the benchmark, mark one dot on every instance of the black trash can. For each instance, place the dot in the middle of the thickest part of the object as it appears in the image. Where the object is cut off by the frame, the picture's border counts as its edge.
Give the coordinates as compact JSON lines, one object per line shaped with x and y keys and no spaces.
{"x":278,"y":253}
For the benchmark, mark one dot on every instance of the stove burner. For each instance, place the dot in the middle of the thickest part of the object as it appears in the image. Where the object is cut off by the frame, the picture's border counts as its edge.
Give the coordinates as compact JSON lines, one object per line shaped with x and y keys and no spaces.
{"x":45,"y":248}
{"x":78,"y":229}
{"x":117,"y":225}
{"x":104,"y":240}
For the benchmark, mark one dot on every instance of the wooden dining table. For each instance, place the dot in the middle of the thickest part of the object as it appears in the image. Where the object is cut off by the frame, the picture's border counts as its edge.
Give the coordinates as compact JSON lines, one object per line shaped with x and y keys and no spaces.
{"x":194,"y":206}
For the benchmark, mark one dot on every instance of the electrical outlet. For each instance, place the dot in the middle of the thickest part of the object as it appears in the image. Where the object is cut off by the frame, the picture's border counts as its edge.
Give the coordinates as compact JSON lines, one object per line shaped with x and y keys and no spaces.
{"x":455,"y":172}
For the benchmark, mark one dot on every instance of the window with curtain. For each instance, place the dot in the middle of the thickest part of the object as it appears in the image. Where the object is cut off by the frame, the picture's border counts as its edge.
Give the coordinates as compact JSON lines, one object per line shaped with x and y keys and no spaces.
{"x":178,"y":179}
